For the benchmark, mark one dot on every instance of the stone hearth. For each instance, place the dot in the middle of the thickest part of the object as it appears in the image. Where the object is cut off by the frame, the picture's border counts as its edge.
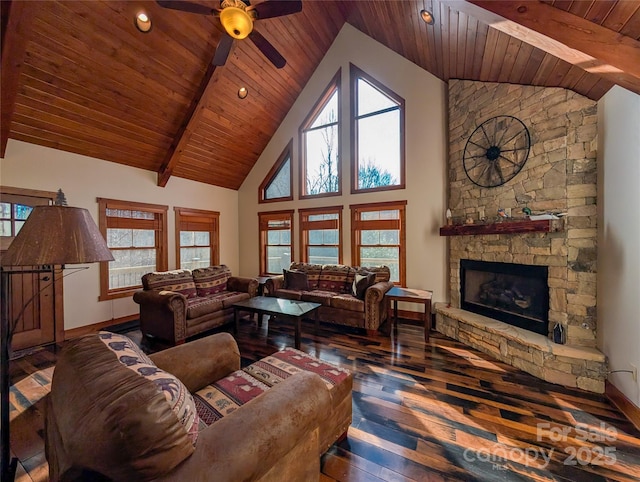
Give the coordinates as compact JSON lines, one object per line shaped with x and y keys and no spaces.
{"x":581,"y":367}
{"x":559,"y":176}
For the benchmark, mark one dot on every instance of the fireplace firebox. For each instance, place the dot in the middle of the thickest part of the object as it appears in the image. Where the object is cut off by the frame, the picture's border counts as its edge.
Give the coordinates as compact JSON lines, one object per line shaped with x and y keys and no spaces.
{"x":517,"y":294}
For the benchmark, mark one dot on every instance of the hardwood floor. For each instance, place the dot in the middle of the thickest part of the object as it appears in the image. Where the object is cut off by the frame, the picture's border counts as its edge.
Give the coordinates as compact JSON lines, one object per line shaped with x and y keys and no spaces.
{"x":434,"y":412}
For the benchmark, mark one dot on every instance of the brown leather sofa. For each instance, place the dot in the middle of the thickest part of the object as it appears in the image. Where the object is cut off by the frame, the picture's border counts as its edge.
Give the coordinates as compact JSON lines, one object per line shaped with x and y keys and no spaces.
{"x":175,"y":305}
{"x":106,"y":419}
{"x":331,"y":285}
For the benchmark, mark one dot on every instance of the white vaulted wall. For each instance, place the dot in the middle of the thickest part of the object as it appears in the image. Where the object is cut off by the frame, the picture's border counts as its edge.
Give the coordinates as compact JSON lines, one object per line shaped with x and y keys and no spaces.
{"x":426,"y":151}
{"x":83,"y":179}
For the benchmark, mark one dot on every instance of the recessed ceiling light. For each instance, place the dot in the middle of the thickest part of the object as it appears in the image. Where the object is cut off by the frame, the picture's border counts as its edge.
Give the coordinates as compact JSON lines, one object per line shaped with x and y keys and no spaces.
{"x":243,"y":92}
{"x":427,"y":16}
{"x":143,"y":22}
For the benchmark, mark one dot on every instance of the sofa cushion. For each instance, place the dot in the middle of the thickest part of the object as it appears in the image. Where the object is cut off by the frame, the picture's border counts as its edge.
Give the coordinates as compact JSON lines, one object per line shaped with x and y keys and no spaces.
{"x":178,"y":281}
{"x":334,"y":278}
{"x":295,"y":280}
{"x":361,"y":282}
{"x":176,"y":394}
{"x":282,"y":364}
{"x":318,"y":296}
{"x":197,"y":307}
{"x":347,"y":302}
{"x":233,"y":297}
{"x":211,"y":280}
{"x":288,"y":294}
{"x":224,"y":396}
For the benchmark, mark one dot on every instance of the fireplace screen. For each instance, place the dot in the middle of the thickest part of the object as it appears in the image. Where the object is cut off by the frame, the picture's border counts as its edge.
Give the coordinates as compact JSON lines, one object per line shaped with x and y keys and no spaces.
{"x":513,"y":293}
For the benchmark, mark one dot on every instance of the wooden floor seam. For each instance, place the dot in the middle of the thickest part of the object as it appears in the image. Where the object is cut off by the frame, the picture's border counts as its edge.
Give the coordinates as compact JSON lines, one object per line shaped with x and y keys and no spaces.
{"x":439,"y":411}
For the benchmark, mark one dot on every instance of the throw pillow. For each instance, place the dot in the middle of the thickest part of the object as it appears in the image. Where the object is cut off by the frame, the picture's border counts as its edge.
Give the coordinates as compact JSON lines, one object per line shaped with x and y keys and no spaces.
{"x":176,"y":394}
{"x":295,"y":280}
{"x":360,"y":284}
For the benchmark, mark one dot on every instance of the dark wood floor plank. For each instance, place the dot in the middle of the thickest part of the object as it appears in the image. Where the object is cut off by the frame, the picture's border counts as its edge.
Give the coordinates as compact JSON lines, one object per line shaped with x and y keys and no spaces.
{"x":439,"y":411}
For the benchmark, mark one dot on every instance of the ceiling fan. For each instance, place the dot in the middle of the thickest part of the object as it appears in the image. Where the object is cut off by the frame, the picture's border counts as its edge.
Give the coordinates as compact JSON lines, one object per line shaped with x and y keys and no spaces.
{"x":237,"y":17}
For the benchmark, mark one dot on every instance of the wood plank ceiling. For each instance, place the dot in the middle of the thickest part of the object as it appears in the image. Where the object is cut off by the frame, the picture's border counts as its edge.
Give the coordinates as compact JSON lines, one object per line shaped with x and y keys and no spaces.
{"x":78,"y":75}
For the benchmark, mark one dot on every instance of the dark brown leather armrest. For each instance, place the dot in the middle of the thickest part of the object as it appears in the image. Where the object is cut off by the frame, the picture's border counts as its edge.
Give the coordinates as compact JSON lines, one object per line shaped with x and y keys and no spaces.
{"x":274,"y":283}
{"x":375,"y":293}
{"x":246,"y":285}
{"x":201,"y":362}
{"x":158,"y":298}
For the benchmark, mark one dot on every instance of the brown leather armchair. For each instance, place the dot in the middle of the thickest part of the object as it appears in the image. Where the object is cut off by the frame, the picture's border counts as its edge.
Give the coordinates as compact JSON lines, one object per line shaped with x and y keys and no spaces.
{"x":106,"y":422}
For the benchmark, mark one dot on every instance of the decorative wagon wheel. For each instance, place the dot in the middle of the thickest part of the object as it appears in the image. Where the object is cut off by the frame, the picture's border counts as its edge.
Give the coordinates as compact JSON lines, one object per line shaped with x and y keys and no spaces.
{"x":496,"y":151}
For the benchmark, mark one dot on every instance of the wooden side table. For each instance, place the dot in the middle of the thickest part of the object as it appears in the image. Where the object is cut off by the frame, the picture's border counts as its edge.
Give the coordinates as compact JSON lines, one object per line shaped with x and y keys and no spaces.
{"x":396,"y":294}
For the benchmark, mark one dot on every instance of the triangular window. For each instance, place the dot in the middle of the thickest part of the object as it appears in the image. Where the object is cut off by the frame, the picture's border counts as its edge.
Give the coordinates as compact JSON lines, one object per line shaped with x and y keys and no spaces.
{"x":277,"y":185}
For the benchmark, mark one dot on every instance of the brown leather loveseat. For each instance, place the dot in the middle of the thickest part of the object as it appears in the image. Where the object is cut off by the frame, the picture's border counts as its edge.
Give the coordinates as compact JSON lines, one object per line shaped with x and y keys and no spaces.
{"x":175,"y":305}
{"x":190,"y":413}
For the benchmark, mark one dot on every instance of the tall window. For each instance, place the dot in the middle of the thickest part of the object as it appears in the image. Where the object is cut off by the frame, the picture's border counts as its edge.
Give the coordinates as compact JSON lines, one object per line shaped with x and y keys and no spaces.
{"x":136,"y":234}
{"x":277,"y":184}
{"x":378,"y":237}
{"x":321,"y":235}
{"x":377,"y":142}
{"x":276,"y":241}
{"x":197,"y":238}
{"x":320,"y":141}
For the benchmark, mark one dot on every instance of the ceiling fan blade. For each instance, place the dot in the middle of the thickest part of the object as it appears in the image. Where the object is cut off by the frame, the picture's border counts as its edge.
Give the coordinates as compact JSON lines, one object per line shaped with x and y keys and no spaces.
{"x":277,"y":8}
{"x":187,"y":7}
{"x":267,"y":49}
{"x":222,"y":50}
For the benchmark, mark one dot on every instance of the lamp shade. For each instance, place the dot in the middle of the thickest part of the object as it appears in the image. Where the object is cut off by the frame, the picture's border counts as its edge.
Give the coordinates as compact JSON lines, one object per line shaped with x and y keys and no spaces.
{"x":57,"y":235}
{"x":236,"y":21}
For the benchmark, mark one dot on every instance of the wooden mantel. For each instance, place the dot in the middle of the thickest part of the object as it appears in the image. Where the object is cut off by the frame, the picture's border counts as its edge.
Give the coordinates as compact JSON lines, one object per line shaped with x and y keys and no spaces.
{"x":505,"y":227}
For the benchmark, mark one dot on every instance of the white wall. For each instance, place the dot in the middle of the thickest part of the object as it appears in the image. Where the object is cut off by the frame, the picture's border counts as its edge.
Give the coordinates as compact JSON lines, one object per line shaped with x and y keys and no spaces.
{"x":425,"y":101}
{"x":619,"y":235}
{"x":83,"y":179}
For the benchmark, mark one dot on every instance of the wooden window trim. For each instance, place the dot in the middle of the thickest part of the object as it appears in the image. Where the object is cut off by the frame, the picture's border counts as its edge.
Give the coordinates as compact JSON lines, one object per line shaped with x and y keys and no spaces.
{"x":333,"y":86}
{"x":306,"y":226}
{"x":162,"y":251}
{"x":355,"y":74}
{"x":357,"y":225}
{"x":273,"y":172}
{"x":263,"y":219}
{"x":186,"y":216}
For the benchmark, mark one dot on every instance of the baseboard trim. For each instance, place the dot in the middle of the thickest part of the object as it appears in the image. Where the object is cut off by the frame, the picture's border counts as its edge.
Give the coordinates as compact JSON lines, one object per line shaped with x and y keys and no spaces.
{"x":88,"y":329}
{"x":620,"y":400}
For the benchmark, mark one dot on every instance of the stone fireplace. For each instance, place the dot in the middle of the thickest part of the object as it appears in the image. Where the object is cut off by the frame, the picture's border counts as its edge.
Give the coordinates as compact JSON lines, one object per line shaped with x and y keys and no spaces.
{"x":560,"y":177}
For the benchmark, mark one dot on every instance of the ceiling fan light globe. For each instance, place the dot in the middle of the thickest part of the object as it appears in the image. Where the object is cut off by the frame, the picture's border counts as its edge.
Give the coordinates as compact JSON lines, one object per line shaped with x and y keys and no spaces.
{"x":237,"y":22}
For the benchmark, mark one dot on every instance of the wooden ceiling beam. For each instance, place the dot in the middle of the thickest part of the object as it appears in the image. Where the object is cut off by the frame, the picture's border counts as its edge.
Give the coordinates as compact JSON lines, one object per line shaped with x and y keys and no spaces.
{"x":188,"y":126}
{"x":582,"y":43}
{"x":14,"y":42}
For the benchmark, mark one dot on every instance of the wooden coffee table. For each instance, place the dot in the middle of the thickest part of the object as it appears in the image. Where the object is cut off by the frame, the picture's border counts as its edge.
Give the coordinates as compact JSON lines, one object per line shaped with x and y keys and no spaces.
{"x":280,"y":307}
{"x":396,"y":294}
